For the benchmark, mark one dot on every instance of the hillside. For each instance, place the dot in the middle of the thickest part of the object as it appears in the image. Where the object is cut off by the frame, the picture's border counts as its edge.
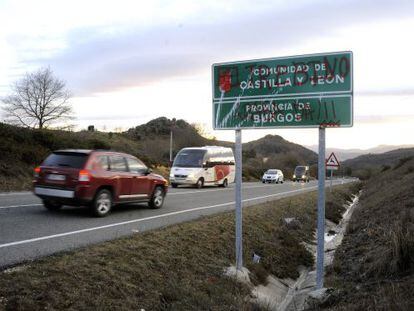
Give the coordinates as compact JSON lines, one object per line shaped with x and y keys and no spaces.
{"x":377,"y":253}
{"x":22,"y":149}
{"x":346,"y":154}
{"x":272,"y":151}
{"x":365,"y":165}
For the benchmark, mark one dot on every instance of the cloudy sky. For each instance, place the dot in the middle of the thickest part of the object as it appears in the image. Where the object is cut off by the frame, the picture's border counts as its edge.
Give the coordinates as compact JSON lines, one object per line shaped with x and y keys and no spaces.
{"x":128,"y":62}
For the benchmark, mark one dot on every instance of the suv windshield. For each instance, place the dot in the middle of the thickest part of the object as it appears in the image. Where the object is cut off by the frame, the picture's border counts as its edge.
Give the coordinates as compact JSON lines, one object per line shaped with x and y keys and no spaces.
{"x":300,"y":170}
{"x":271,"y":172}
{"x":66,"y":159}
{"x":189,"y":158}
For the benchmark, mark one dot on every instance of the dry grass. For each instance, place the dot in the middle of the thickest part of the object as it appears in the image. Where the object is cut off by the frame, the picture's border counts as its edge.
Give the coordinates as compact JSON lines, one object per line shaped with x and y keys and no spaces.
{"x":176,"y":268}
{"x":374,"y":266}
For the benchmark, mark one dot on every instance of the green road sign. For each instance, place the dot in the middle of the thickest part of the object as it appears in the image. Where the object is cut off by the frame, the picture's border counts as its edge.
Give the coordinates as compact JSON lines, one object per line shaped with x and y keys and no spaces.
{"x":328,"y":111}
{"x":321,"y":82}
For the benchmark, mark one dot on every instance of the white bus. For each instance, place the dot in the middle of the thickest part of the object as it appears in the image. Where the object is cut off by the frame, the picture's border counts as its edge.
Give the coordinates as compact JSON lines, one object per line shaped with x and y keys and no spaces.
{"x":203,"y":166}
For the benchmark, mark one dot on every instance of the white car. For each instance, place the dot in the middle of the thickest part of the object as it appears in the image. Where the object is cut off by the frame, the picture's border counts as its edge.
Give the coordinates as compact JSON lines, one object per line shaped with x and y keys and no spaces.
{"x":273,"y":176}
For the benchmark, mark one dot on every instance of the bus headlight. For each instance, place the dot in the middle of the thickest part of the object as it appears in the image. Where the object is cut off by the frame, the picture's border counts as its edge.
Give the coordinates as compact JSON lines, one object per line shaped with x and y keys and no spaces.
{"x":294,"y":176}
{"x":303,"y":176}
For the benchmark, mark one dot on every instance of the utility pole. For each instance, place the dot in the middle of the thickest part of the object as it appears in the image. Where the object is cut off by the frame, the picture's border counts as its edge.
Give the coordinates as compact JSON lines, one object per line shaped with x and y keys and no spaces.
{"x":171,"y":140}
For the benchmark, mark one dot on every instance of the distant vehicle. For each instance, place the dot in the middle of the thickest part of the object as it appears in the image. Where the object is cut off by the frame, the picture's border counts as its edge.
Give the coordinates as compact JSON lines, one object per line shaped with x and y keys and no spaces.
{"x":98,"y":179}
{"x":202,"y":166}
{"x":273,"y":176}
{"x":301,"y":173}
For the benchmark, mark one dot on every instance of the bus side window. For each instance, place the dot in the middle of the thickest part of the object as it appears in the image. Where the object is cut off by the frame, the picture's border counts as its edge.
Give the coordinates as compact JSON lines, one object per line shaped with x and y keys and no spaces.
{"x":206,"y":159}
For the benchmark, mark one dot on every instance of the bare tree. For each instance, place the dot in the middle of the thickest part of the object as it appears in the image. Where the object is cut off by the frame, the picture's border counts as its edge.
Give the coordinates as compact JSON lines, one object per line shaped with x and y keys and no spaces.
{"x":37,"y":100}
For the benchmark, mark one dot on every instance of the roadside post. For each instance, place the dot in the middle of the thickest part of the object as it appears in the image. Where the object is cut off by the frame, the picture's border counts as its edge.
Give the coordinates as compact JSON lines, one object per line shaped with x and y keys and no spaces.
{"x":330,"y":186}
{"x":306,"y":91}
{"x":239,"y":211}
{"x":320,"y":249}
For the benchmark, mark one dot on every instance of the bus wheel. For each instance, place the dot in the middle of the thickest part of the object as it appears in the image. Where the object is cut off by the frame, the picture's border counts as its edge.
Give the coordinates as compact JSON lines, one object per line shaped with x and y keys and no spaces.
{"x":200,"y":183}
{"x":225,"y":183}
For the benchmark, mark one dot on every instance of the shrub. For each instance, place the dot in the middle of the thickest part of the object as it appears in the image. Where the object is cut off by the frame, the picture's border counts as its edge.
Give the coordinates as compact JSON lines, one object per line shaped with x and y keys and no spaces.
{"x":402,"y":161}
{"x":385,"y":168}
{"x":98,"y":144}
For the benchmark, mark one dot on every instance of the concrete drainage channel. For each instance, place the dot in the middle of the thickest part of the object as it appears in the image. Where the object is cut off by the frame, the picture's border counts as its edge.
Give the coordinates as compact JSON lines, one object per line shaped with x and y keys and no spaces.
{"x":299,"y":294}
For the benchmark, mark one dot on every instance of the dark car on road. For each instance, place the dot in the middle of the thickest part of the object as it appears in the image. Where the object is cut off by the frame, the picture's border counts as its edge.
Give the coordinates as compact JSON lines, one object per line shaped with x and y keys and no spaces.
{"x":97,"y":179}
{"x":301,"y":173}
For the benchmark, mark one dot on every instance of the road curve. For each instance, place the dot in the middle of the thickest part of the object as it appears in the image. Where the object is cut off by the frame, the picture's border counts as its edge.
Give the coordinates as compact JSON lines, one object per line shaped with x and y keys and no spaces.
{"x":29,"y":231}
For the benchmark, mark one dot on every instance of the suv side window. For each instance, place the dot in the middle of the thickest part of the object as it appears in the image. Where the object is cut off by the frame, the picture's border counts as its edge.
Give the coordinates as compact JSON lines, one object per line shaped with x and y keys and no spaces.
{"x":118,"y":164}
{"x":136,"y":166}
{"x":101,"y":163}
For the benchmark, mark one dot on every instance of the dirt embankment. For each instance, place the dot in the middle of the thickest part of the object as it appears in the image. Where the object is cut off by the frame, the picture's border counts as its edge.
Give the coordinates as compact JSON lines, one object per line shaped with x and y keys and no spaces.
{"x":374,"y":267}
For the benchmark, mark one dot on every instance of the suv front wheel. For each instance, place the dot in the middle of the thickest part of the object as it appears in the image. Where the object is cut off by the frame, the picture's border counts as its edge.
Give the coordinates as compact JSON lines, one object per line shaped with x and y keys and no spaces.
{"x":102,"y":203}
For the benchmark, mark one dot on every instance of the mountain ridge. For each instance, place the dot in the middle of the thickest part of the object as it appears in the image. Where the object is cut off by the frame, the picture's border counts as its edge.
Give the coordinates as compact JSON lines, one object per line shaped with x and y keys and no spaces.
{"x":346,"y":154}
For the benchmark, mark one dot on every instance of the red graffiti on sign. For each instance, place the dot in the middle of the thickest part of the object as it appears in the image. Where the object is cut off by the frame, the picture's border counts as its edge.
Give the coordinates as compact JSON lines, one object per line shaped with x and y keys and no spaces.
{"x":225,"y":81}
{"x":330,"y":124}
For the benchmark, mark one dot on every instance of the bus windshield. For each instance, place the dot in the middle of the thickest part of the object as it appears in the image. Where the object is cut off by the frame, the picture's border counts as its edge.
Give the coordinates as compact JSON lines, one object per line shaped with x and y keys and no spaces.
{"x":189,"y":158}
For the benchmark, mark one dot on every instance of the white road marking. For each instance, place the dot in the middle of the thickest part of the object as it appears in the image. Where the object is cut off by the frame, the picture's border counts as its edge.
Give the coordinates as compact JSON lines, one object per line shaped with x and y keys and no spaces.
{"x":220,"y":189}
{"x":48,"y":237}
{"x":24,"y":205}
{"x":4,"y":194}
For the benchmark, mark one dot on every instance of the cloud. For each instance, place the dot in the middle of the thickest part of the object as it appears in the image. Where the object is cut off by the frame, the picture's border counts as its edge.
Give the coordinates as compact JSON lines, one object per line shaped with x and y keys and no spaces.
{"x":96,"y":60}
{"x":387,"y":92}
{"x":377,"y":119}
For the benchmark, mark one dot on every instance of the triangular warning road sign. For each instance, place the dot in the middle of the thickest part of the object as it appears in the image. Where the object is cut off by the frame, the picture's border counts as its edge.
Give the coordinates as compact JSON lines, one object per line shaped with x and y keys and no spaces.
{"x":332,"y":160}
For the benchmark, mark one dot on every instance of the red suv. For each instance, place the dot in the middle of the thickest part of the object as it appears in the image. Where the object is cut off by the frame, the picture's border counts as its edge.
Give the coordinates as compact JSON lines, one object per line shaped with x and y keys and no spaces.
{"x":98,"y":179}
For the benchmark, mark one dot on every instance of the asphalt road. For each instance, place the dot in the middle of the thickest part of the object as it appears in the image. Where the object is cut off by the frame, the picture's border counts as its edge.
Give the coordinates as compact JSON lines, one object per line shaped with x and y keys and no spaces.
{"x":29,"y":231}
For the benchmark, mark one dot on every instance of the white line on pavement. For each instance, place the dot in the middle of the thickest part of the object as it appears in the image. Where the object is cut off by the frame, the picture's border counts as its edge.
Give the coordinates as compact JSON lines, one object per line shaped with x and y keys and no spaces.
{"x":145,"y":218}
{"x":4,"y":194}
{"x":221,"y":189}
{"x":24,"y":205}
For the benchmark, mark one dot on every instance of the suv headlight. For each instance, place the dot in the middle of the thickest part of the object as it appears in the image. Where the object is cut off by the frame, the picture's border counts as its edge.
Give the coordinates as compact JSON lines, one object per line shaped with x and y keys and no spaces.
{"x":294,"y":176}
{"x":303,"y":176}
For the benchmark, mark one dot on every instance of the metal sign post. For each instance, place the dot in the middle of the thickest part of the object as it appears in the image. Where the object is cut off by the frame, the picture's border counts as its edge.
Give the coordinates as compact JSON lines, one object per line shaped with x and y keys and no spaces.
{"x":321,"y":210}
{"x":238,"y":193}
{"x":330,"y":186}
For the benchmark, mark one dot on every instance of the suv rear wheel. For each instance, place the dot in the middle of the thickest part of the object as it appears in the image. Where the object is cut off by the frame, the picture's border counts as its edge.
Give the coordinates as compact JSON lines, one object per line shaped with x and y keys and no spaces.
{"x":157,"y":199}
{"x":52,"y":206}
{"x":102,"y":203}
